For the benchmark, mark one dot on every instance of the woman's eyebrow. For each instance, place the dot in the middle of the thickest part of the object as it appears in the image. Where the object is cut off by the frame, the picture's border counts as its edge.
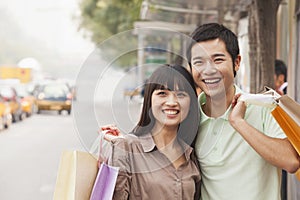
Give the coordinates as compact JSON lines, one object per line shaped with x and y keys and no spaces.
{"x":198,"y":57}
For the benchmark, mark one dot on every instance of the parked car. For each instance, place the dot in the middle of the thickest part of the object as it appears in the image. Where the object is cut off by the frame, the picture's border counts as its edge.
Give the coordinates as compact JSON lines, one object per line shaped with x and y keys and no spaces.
{"x":28,"y":100}
{"x":9,"y":95}
{"x":54,"y":96}
{"x":5,"y":114}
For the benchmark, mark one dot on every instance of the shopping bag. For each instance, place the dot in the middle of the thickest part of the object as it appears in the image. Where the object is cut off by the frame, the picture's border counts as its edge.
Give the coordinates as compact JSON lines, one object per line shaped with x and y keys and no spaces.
{"x":76,"y":176}
{"x":106,"y":179}
{"x":105,"y":183}
{"x":287,"y":115}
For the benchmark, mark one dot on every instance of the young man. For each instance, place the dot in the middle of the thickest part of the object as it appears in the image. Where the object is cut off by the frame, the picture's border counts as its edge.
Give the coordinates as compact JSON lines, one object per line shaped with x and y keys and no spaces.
{"x":241,"y":149}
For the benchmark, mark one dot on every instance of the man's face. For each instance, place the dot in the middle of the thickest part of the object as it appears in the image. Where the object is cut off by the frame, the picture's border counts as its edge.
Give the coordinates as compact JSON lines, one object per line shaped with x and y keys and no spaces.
{"x":278,"y":80}
{"x":212,"y":67}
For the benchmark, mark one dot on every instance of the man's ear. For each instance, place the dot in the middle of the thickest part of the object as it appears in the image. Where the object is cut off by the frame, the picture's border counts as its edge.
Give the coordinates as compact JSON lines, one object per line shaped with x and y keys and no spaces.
{"x":237,"y":63}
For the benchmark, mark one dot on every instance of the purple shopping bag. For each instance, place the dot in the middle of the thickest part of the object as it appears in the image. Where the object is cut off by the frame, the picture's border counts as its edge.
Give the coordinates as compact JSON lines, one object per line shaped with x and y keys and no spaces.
{"x":105,"y":182}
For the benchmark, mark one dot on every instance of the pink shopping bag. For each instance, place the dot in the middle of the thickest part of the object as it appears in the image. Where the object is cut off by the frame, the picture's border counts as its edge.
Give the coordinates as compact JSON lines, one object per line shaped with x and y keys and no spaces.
{"x":106,"y":179}
{"x":105,"y":183}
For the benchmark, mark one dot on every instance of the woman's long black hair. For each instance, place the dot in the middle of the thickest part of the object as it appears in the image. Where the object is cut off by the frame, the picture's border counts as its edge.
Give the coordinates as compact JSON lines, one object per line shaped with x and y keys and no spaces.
{"x":172,"y":77}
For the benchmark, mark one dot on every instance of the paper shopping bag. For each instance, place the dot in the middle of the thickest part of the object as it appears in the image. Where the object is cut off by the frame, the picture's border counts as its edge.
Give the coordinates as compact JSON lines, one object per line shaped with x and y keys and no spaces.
{"x":287,"y":115}
{"x":105,"y":183}
{"x":76,"y":176}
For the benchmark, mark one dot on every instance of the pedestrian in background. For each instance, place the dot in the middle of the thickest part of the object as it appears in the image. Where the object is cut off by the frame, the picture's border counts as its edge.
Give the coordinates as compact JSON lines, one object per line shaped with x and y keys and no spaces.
{"x":280,"y":81}
{"x":280,"y":77}
{"x":290,"y":185}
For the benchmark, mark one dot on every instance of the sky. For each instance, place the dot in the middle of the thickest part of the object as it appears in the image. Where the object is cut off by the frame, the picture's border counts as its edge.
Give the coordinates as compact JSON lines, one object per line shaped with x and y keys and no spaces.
{"x":53,"y":24}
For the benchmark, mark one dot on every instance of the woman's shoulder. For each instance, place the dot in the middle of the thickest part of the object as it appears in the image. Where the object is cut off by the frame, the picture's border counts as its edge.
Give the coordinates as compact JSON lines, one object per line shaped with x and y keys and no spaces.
{"x":127,"y":140}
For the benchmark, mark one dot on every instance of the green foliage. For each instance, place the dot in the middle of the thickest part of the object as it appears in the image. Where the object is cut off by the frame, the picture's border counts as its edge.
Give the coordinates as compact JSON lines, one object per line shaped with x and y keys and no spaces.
{"x":105,"y":18}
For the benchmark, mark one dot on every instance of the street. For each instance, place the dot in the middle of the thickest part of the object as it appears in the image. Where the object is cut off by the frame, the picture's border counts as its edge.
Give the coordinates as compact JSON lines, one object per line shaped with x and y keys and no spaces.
{"x":30,"y":152}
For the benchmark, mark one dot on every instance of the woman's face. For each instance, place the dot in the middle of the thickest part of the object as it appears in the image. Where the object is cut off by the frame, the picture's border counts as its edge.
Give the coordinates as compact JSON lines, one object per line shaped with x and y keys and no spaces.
{"x":169,"y":108}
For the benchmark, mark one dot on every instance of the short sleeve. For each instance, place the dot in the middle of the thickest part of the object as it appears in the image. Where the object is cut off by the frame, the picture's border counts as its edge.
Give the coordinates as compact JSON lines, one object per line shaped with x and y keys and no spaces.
{"x":271,"y":127}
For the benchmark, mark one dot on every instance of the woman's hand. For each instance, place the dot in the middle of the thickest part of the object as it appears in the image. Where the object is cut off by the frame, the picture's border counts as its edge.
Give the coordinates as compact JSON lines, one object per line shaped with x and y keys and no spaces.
{"x":111,"y":132}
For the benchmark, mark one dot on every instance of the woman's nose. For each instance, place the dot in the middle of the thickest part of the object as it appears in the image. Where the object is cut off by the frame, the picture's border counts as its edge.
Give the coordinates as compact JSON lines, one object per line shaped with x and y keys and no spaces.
{"x":172,"y":100}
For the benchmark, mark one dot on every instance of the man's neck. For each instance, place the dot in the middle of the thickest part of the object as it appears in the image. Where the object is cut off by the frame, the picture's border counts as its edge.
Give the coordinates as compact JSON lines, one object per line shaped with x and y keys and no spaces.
{"x":217,"y":106}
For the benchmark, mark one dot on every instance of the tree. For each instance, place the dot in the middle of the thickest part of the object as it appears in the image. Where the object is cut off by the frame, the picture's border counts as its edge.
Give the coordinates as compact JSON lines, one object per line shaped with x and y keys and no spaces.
{"x":262,"y":42}
{"x":105,"y":18}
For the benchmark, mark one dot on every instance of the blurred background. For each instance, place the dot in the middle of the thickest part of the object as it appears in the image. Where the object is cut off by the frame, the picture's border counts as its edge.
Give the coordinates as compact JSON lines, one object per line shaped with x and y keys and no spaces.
{"x":68,"y":67}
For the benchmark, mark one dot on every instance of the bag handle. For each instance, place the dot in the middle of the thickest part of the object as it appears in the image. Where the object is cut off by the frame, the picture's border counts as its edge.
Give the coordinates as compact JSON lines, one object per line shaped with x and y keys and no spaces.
{"x":101,"y":158}
{"x":269,"y":98}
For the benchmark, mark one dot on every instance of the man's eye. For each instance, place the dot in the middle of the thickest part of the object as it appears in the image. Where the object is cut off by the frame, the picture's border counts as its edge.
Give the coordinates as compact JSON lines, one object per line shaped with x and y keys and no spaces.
{"x":219,"y":60}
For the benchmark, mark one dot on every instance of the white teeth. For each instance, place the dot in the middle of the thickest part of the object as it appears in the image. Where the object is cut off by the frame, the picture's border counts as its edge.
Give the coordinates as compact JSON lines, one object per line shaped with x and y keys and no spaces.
{"x":211,"y":81}
{"x":171,"y":112}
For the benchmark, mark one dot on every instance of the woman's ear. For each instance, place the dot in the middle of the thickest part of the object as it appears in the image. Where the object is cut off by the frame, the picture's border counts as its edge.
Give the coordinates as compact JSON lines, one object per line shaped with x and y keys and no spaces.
{"x":237,"y":63}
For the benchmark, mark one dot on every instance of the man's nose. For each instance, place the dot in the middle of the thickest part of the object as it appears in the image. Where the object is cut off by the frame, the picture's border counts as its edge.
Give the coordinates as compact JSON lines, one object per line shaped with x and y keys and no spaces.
{"x":209,"y":68}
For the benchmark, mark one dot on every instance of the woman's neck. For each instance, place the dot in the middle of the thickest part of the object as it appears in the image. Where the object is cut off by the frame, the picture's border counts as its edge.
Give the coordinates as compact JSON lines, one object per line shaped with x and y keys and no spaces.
{"x":164,"y":137}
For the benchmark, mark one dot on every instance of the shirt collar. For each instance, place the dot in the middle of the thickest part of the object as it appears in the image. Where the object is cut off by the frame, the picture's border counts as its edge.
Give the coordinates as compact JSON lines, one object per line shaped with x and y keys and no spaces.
{"x":148,"y":145}
{"x":202,"y":101}
{"x":147,"y":142}
{"x":186,"y":148}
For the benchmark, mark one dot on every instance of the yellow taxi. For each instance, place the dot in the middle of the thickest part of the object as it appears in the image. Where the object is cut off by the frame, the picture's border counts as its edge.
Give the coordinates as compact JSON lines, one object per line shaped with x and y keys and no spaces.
{"x":54,"y":96}
{"x":9,"y":95}
{"x":5,"y":114}
{"x":28,"y":101}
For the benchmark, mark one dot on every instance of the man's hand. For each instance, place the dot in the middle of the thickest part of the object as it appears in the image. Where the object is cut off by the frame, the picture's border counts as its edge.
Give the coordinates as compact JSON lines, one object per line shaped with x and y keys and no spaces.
{"x":238,"y":111}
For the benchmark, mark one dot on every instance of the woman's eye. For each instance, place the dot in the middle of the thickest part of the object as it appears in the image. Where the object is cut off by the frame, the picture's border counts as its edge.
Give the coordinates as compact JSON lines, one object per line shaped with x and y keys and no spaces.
{"x":198,"y":63}
{"x":181,"y":94}
{"x":161,"y":93}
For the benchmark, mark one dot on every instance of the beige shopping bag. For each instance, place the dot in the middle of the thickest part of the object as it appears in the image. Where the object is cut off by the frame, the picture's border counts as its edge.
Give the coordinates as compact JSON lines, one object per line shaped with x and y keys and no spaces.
{"x":76,"y":176}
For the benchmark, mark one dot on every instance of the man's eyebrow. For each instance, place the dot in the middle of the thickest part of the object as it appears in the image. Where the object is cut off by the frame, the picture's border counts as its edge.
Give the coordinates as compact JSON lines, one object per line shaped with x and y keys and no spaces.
{"x":218,"y":54}
{"x":214,"y":55}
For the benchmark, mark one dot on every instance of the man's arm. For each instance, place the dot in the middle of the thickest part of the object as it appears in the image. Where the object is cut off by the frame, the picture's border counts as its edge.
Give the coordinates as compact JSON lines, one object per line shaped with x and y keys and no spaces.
{"x":278,"y":152}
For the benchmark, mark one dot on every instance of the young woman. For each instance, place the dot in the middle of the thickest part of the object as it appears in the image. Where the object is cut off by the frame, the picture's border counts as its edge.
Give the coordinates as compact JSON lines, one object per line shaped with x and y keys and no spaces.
{"x":156,"y":160}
